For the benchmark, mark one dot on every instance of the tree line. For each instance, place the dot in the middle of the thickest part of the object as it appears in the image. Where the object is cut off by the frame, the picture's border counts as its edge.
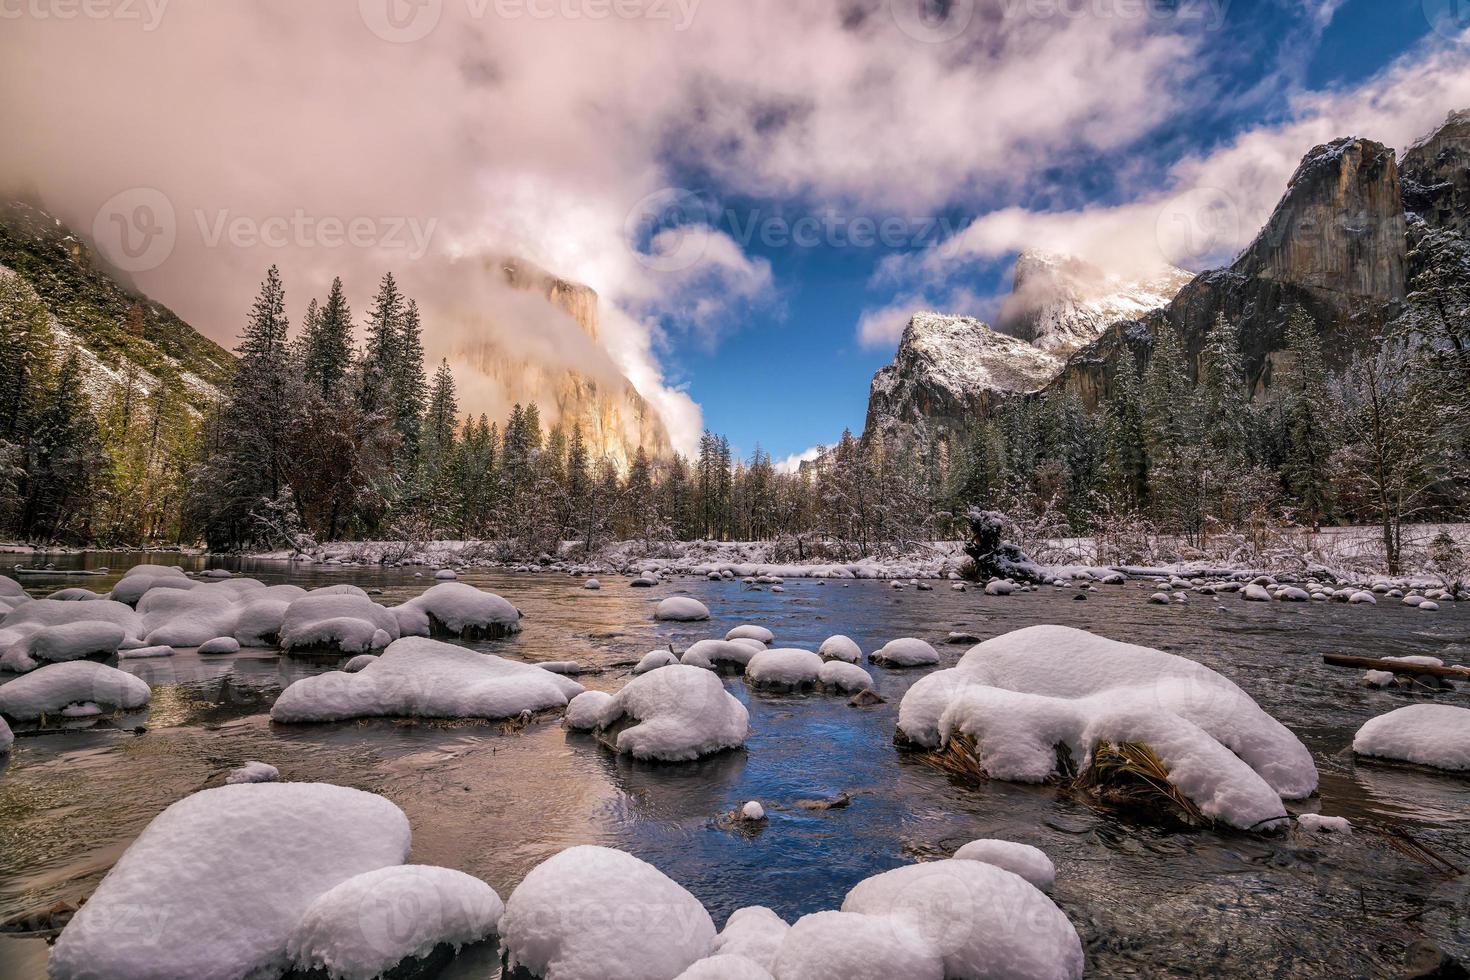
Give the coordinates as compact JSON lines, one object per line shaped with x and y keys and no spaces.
{"x":319,"y":438}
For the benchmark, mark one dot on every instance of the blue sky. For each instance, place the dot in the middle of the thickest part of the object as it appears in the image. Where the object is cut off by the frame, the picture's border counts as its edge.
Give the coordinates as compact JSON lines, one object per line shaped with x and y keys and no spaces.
{"x":788,"y":372}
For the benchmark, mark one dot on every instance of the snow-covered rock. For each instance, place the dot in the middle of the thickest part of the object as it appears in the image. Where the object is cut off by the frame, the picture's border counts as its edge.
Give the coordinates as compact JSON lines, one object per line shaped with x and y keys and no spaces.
{"x":422,"y":678}
{"x":783,"y":669}
{"x":906,"y":652}
{"x":1255,"y":593}
{"x":1363,"y":598}
{"x":999,"y":586}
{"x":220,"y":645}
{"x":459,"y":610}
{"x":753,"y":811}
{"x":1378,"y":678}
{"x":358,"y":663}
{"x":681,"y":609}
{"x":584,"y":712}
{"x":750,"y":632}
{"x":725,"y":968}
{"x":366,"y":926}
{"x":712,"y":654}
{"x":7,"y":738}
{"x":141,"y":578}
{"x":839,"y":675}
{"x":854,"y":946}
{"x":1436,"y":735}
{"x":215,"y":885}
{"x":76,"y":641}
{"x":340,"y":623}
{"x":254,"y":772}
{"x":985,"y":921}
{"x":1316,"y":823}
{"x":49,"y":689}
{"x":592,"y":584}
{"x":754,"y":933}
{"x":1019,"y":695}
{"x":1029,"y":862}
{"x":38,"y":614}
{"x":446,"y":575}
{"x":145,"y":653}
{"x":653,"y":660}
{"x":634,"y":923}
{"x":680,"y":713}
{"x":842,"y":648}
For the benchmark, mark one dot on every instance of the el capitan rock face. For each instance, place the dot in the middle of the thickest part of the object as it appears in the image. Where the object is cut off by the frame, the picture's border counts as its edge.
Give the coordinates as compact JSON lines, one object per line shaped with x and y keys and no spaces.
{"x":614,"y":418}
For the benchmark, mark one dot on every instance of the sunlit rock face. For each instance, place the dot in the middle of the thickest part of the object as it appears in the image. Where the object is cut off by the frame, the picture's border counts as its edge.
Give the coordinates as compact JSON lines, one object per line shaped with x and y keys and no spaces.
{"x":528,"y":364}
{"x":1436,"y":175}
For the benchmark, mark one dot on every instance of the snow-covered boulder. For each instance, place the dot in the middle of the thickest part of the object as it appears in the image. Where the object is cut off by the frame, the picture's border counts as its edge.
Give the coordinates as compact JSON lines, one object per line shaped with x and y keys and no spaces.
{"x":854,"y":946}
{"x":634,"y":923}
{"x":188,"y":619}
{"x":1363,"y":598}
{"x":50,"y":689}
{"x":983,"y":920}
{"x":839,"y":675}
{"x":592,"y":584}
{"x":446,"y":575}
{"x":145,"y":653}
{"x":1255,"y":593}
{"x":7,"y":738}
{"x":223,"y":877}
{"x":753,"y":811}
{"x":754,"y":933}
{"x":371,"y":923}
{"x":681,"y":609}
{"x":725,"y":968}
{"x":421,"y":678}
{"x":906,"y":652}
{"x":337,"y":623}
{"x":141,"y":578}
{"x":11,"y":589}
{"x":75,"y":595}
{"x":1435,"y":735}
{"x":1017,"y":696}
{"x":840,"y":647}
{"x":31,"y":617}
{"x":750,"y":632}
{"x":653,"y":660}
{"x":584,"y":712}
{"x":253,"y":772}
{"x":220,"y":645}
{"x":714,"y":654}
{"x":1029,"y":862}
{"x":258,"y":620}
{"x":458,"y":610}
{"x":783,"y":669}
{"x":679,"y":713}
{"x":1293,"y":594}
{"x":76,"y":641}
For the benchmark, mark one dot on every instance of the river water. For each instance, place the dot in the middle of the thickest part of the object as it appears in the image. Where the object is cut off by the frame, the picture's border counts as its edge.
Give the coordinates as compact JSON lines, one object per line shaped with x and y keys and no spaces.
{"x":1145,"y":901}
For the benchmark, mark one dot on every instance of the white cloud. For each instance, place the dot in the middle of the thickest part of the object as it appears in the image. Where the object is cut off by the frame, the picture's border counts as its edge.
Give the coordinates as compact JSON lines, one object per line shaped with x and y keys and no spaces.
{"x":793,"y":462}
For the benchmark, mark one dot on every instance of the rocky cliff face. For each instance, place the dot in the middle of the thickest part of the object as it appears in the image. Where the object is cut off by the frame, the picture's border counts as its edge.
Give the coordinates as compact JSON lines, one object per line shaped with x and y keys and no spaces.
{"x":1336,"y":246}
{"x":950,"y":370}
{"x":114,"y":329}
{"x":1436,"y":175}
{"x":614,"y":418}
{"x":1060,"y":303}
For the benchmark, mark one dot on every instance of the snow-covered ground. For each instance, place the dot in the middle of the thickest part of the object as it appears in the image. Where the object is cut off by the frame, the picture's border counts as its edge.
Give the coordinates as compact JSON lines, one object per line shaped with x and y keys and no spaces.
{"x":1347,"y":553}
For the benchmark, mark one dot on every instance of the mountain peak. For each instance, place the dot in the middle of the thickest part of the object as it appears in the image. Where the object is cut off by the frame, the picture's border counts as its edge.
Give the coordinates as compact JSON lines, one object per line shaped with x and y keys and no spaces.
{"x":1061,"y":303}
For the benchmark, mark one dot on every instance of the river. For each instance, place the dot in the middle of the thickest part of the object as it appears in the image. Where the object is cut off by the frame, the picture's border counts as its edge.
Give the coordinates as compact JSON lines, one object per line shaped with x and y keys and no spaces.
{"x":1145,"y":901}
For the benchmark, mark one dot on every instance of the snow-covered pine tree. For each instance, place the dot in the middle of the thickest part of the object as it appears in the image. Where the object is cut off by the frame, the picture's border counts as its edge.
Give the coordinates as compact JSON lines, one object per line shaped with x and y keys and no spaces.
{"x":1308,"y":437}
{"x":63,"y":458}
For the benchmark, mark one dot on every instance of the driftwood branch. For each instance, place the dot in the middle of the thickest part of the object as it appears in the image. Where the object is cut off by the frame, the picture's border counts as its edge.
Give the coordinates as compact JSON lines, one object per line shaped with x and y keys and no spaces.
{"x":1394,"y":666}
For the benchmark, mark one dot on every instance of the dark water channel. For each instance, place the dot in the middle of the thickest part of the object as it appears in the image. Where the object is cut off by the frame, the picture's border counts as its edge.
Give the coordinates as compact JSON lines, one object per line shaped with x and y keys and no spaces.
{"x":1145,"y":901}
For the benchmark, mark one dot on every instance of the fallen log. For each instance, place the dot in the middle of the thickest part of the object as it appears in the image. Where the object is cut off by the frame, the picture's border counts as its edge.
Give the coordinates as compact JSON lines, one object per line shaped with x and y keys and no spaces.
{"x":1394,"y":666}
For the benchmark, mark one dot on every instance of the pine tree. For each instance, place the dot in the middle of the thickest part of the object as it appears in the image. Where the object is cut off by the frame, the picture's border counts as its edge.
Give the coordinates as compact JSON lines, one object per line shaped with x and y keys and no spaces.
{"x":327,"y":344}
{"x":1127,"y":434}
{"x":408,"y":386}
{"x":25,"y":356}
{"x":1308,"y":441}
{"x":63,"y":454}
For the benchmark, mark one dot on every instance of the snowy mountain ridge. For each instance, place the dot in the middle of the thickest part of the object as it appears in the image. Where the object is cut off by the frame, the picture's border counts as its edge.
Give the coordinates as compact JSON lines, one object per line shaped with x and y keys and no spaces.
{"x":1061,"y":303}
